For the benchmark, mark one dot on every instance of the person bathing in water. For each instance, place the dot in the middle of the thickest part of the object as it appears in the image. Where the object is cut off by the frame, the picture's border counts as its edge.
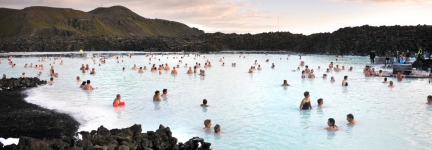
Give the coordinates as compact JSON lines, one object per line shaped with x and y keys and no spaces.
{"x":344,"y":82}
{"x":207,"y":124}
{"x":285,"y":83}
{"x":320,"y":102}
{"x":332,"y":79}
{"x":88,"y":86}
{"x":305,"y":103}
{"x":391,"y":85}
{"x":429,"y":100}
{"x":51,"y":82}
{"x":217,"y":129}
{"x":157,"y":96}
{"x":83,"y":84}
{"x":204,"y":104}
{"x":331,"y":125}
{"x":190,"y":71}
{"x":350,"y":119}
{"x":117,"y":100}
{"x":164,"y":92}
{"x":385,"y":80}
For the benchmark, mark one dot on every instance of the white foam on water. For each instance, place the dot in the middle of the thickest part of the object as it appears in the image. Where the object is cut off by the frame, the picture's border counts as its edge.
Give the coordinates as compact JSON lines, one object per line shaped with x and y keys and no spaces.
{"x":9,"y":141}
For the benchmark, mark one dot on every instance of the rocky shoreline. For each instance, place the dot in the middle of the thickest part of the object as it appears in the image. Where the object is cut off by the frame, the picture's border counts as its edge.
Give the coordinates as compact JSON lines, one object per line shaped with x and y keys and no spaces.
{"x":115,"y":139}
{"x":19,"y":118}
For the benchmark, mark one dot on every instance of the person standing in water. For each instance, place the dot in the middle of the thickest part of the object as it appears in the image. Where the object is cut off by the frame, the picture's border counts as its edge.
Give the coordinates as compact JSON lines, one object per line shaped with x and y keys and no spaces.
{"x":305,"y":103}
{"x":372,"y":56}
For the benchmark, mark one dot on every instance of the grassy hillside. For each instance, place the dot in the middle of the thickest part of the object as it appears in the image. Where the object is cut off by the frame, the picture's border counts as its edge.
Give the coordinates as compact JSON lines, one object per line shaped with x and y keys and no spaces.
{"x":114,"y":21}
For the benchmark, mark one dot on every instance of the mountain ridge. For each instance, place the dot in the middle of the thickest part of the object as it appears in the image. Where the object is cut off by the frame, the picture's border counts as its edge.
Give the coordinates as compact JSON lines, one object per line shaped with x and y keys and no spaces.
{"x":112,"y":21}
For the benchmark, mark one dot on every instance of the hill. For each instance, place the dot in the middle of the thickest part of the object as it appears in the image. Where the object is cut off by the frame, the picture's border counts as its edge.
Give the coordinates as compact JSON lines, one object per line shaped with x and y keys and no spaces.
{"x":111,"y":21}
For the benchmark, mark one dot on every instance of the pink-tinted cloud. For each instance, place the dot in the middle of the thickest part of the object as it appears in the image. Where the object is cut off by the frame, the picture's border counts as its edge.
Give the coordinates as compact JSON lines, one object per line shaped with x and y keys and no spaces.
{"x":255,"y":16}
{"x":389,"y":1}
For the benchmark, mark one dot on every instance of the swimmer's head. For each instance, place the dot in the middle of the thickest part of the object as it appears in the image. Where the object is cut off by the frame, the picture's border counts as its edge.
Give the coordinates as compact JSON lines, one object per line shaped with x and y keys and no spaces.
{"x":307,"y":66}
{"x":391,"y":82}
{"x":88,"y":81}
{"x":429,"y":98}
{"x":320,"y":101}
{"x":157,"y":93}
{"x":385,"y":79}
{"x":345,"y":77}
{"x":303,"y":72}
{"x":51,"y":79}
{"x":324,"y":75}
{"x":207,"y":123}
{"x":118,"y":96}
{"x":217,"y":128}
{"x":164,"y":91}
{"x":380,"y":71}
{"x":205,"y":101}
{"x":331,"y":122}
{"x":306,"y":94}
{"x":350,"y":117}
{"x":285,"y":82}
{"x":84,"y":83}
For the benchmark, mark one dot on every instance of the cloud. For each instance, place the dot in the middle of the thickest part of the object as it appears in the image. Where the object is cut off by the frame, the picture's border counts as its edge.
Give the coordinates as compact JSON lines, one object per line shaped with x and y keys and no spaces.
{"x":388,"y":1}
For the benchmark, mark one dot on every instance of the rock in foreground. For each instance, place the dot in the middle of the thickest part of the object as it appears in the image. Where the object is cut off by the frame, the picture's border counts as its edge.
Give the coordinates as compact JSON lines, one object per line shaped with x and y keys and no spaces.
{"x":115,"y":139}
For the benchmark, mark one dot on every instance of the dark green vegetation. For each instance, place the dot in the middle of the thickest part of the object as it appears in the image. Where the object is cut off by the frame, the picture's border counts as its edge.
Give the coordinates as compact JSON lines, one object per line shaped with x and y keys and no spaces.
{"x":116,"y":21}
{"x":118,"y":28}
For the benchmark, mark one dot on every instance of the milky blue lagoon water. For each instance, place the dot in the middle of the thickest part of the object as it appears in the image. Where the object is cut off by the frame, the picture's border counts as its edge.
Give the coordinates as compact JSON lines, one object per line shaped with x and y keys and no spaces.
{"x":254,"y":110}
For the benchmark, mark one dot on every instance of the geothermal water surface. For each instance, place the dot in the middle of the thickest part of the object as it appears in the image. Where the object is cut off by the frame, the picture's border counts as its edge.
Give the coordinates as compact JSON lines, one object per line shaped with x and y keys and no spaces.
{"x":254,"y":110}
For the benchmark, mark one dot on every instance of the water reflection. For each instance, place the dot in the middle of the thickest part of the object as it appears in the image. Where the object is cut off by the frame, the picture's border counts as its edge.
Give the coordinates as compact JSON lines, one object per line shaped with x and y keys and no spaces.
{"x":165,"y":98}
{"x":118,"y":111}
{"x":429,"y":107}
{"x":217,"y":136}
{"x":349,"y":129}
{"x":156,"y":105}
{"x":344,"y":89}
{"x":204,"y":109}
{"x":331,"y":134}
{"x":202,"y":77}
{"x":285,"y":88}
{"x":304,"y":116}
{"x":320,"y":112}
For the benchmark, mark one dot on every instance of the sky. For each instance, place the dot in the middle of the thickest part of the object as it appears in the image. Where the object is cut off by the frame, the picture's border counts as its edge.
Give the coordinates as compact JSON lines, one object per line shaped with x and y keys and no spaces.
{"x":257,"y":16}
